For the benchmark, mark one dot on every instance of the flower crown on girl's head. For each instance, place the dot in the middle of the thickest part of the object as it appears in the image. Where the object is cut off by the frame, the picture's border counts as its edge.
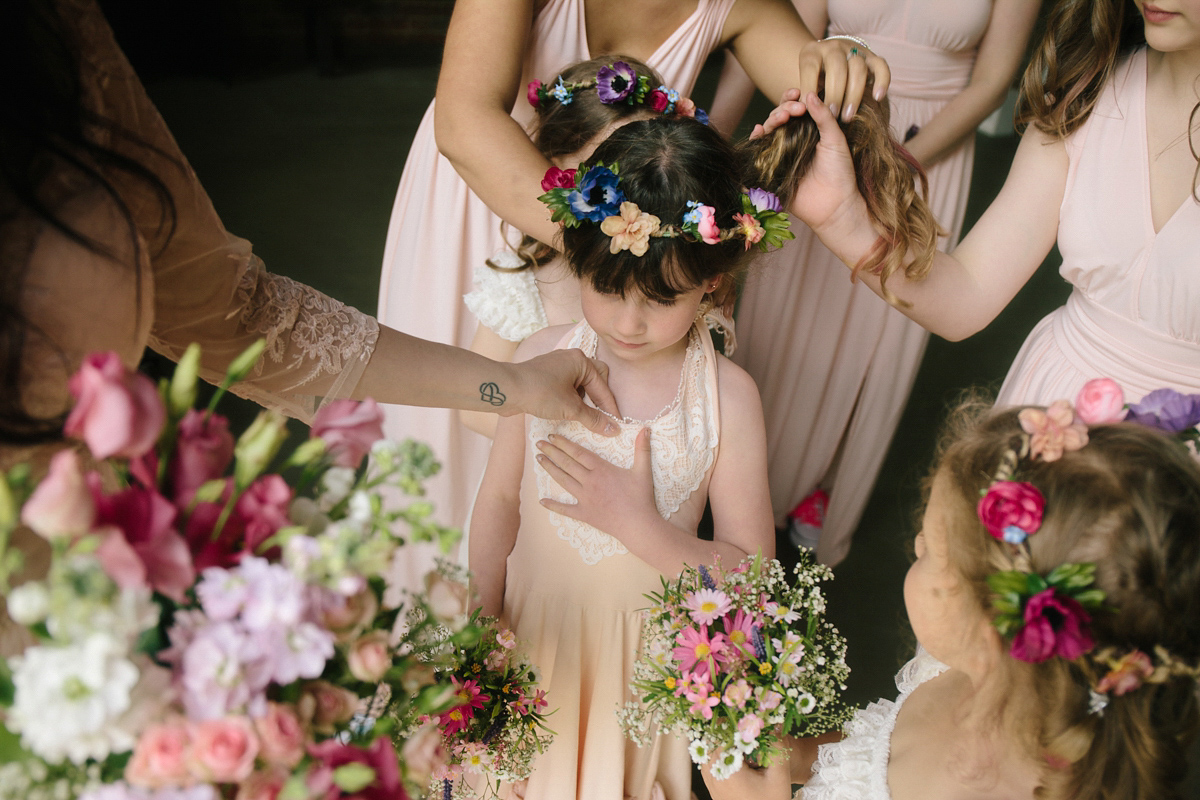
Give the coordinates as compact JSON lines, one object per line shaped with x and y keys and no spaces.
{"x":617,"y":83}
{"x":1049,"y":615}
{"x":576,"y":196}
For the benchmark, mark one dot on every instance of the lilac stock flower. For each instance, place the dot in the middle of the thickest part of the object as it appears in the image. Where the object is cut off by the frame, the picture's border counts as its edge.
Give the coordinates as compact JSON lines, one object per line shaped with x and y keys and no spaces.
{"x":598,"y":196}
{"x":297,"y":652}
{"x":1167,"y":410}
{"x":220,"y":671}
{"x":763,"y":200}
{"x":274,"y":595}
{"x":616,"y":83}
{"x":1055,"y":624}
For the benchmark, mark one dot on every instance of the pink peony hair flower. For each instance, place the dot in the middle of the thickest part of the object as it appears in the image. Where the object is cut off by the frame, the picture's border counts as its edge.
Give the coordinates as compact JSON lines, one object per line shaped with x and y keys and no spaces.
{"x":1127,"y":674}
{"x":1011,"y":510}
{"x":1053,"y":431}
{"x":1101,"y":400}
{"x":1055,"y":624}
{"x":630,"y":230}
{"x":349,"y":428}
{"x":531,"y":93}
{"x":706,"y":605}
{"x":117,"y":411}
{"x":750,"y":228}
{"x":556,"y":178}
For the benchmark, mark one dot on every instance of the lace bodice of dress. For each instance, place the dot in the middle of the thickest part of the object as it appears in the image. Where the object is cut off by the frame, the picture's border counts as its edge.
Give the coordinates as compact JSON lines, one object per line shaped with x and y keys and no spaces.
{"x":685,"y":436}
{"x":856,"y":767}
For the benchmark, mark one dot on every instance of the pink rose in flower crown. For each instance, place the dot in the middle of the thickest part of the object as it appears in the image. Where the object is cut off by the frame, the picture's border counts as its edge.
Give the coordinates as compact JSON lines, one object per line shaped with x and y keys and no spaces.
{"x":1053,"y":431}
{"x":1055,"y":624}
{"x":160,"y":756}
{"x":203,"y":452}
{"x":1011,"y":510}
{"x":349,"y":428}
{"x":117,"y":411}
{"x":1101,"y":400}
{"x":556,"y":178}
{"x":658,"y":100}
{"x":280,"y":735}
{"x":685,"y":107}
{"x":380,"y":757}
{"x":223,"y":750}
{"x":710,"y":233}
{"x":263,"y":508}
{"x":139,"y":545}
{"x":370,"y":656}
{"x":61,"y":505}
{"x":531,"y":93}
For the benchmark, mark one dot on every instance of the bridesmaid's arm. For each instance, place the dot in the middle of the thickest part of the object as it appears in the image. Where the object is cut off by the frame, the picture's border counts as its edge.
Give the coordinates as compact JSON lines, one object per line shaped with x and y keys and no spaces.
{"x":478,"y":84}
{"x":1000,"y":54}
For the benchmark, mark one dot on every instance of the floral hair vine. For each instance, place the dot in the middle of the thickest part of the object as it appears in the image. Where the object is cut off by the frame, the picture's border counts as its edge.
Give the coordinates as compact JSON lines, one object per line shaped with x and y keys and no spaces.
{"x":617,"y":83}
{"x":595,"y":195}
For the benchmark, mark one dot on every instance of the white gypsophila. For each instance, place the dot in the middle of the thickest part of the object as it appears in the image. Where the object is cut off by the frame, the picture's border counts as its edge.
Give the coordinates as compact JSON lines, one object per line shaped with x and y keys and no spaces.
{"x":334,"y":485}
{"x":729,"y":762}
{"x":29,"y":603}
{"x":69,"y":699}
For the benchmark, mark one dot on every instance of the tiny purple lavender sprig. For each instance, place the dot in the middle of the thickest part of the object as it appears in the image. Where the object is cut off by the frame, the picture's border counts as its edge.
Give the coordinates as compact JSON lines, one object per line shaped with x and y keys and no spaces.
{"x":447,"y":789}
{"x":706,"y":579}
{"x":495,"y":728}
{"x":756,"y":639}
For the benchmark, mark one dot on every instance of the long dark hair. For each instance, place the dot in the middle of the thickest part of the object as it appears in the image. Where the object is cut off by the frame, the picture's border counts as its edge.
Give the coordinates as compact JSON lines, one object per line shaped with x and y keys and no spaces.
{"x":47,"y":130}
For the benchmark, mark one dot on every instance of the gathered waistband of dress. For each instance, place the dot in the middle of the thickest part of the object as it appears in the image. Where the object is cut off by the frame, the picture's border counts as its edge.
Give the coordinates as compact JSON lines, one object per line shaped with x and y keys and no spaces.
{"x":929,"y":73}
{"x":1104,"y":342}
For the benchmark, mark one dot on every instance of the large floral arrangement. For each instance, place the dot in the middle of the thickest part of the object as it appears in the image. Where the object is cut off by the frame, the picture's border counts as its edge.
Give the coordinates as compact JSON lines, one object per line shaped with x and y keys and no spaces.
{"x":216,"y":619}
{"x":736,"y":659}
{"x":496,"y":723}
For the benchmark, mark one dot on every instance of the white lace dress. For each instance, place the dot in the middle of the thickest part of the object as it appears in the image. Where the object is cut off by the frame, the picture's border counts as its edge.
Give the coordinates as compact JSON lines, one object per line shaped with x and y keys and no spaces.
{"x":574,"y":594}
{"x":856,"y":768}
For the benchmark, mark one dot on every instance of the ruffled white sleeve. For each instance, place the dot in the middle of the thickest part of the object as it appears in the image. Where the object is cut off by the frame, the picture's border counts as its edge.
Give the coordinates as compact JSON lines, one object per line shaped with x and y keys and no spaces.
{"x":506,"y":302}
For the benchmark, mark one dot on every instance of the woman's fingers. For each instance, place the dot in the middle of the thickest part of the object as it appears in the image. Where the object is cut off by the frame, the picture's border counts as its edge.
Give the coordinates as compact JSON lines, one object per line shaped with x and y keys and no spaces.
{"x":856,"y":84}
{"x":881,"y":76}
{"x":563,"y":478}
{"x":569,"y":451}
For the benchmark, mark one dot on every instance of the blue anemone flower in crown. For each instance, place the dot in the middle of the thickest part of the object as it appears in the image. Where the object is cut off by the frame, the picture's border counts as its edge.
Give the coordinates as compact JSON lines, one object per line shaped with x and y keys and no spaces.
{"x":598,"y":196}
{"x":615,"y":83}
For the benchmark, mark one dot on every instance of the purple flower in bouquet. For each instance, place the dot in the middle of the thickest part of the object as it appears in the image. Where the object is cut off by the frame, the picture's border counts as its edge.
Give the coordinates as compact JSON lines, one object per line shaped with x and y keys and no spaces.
{"x":616,"y":83}
{"x":1167,"y":410}
{"x":1055,"y":624}
{"x":219,"y":670}
{"x":762,"y":200}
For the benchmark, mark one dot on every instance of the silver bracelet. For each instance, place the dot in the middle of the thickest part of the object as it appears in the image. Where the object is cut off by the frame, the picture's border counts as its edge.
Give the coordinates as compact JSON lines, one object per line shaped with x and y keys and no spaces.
{"x":853,"y":39}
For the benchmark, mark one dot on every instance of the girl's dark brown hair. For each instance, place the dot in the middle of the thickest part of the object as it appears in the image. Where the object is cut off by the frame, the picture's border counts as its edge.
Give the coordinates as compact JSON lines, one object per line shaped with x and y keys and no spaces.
{"x":560,"y":130}
{"x":1129,"y":502}
{"x":887,"y":176}
{"x":1084,"y":40}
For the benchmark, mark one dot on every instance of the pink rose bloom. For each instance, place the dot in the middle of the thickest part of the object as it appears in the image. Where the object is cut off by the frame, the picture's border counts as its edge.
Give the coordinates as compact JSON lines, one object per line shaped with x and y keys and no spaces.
{"x":326,"y":706}
{"x":349,"y":428}
{"x":347,"y":617}
{"x":223,"y":750}
{"x":280,"y":736}
{"x":709,"y":232}
{"x":556,"y":178}
{"x":1053,"y":431}
{"x":263,"y":785}
{"x":531,"y":93}
{"x":370,"y":657}
{"x":1055,"y":624}
{"x":263,"y":508}
{"x":1128,"y":674}
{"x":139,"y":546}
{"x":203,"y":452}
{"x":423,"y":753}
{"x":117,"y":411}
{"x":1009,"y":504}
{"x":685,"y":107}
{"x":61,"y":505}
{"x":160,"y":756}
{"x":658,"y":100}
{"x":380,"y":757}
{"x":1100,"y":400}
{"x":749,"y":726}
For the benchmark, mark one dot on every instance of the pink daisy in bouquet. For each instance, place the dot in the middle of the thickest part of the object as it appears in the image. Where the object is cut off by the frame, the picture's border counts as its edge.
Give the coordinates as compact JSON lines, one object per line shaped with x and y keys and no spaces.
{"x":216,"y":620}
{"x":734,"y":660}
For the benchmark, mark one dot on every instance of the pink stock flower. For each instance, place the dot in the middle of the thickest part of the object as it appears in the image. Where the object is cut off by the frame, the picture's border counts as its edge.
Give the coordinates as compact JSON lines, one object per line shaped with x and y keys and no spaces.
{"x":223,"y":750}
{"x":117,"y":411}
{"x":658,"y":100}
{"x":263,"y":508}
{"x":706,"y":605}
{"x":630,"y":230}
{"x":202,"y":452}
{"x":1055,"y":624}
{"x":349,"y":428}
{"x":139,"y":545}
{"x":556,"y":178}
{"x":750,"y":228}
{"x":1128,"y":674}
{"x":380,"y":757}
{"x":370,"y":656}
{"x":1053,"y":431}
{"x":1101,"y":400}
{"x":531,"y":94}
{"x":280,"y":735}
{"x":695,"y":650}
{"x":61,"y":505}
{"x":1011,"y":510}
{"x":710,"y":233}
{"x":160,"y":756}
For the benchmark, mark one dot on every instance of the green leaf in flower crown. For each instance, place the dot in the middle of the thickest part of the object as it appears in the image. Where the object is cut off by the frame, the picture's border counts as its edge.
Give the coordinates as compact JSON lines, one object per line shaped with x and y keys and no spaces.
{"x":1072,"y":576}
{"x":556,"y":201}
{"x":1090,"y":598}
{"x":776,"y":229}
{"x":1009,"y":582}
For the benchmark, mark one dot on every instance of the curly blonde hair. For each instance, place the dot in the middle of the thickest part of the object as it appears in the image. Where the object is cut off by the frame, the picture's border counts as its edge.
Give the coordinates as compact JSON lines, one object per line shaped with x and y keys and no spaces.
{"x":1129,"y":502}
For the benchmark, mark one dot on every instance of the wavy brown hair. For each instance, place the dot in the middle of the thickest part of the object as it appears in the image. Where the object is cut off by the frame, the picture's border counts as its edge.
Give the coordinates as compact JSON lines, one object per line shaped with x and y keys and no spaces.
{"x":1129,"y":501}
{"x":888,"y":178}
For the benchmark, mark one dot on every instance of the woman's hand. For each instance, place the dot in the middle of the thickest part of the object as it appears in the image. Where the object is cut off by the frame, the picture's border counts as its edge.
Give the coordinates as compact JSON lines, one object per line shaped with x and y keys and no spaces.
{"x":552,"y":386}
{"x":847,"y":66}
{"x":609,"y":498}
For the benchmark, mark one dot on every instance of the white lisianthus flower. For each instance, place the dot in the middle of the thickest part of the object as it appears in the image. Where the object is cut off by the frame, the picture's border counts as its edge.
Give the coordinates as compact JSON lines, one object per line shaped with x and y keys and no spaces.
{"x":69,"y":699}
{"x":29,"y":603}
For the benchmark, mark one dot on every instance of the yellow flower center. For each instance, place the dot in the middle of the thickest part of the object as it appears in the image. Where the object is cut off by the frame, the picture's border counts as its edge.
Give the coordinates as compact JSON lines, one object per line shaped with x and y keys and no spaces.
{"x":708,"y":606}
{"x":669,"y":682}
{"x":456,"y":715}
{"x":702,"y":650}
{"x":737,"y":637}
{"x":764,"y":668}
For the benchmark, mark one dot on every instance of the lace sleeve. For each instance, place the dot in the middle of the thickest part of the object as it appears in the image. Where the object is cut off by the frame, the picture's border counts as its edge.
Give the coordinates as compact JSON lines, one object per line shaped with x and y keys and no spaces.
{"x":507,"y":302}
{"x":208,"y":285}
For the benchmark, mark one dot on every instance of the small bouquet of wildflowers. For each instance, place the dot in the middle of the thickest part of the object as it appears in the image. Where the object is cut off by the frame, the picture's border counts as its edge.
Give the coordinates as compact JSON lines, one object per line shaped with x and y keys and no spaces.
{"x":735,"y":660}
{"x":215,"y":621}
{"x":496,"y":723}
